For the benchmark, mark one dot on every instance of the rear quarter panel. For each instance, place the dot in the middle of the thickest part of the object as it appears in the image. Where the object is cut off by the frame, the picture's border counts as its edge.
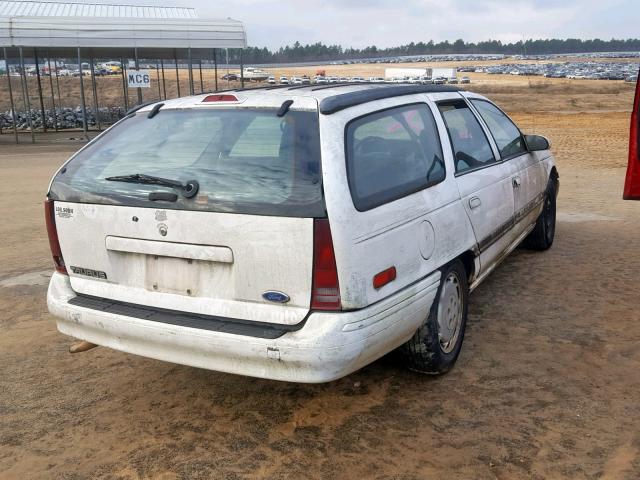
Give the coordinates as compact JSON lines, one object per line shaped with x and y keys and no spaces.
{"x":417,"y":234}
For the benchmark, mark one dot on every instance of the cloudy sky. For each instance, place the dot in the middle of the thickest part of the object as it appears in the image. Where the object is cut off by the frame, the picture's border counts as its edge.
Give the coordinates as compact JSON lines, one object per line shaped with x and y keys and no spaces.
{"x":386,"y":23}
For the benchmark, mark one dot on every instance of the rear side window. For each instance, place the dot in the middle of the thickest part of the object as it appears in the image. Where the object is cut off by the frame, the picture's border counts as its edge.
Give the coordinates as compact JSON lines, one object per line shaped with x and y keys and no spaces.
{"x":505,"y":133}
{"x":391,"y":154}
{"x":245,"y":161}
{"x":471,"y":148}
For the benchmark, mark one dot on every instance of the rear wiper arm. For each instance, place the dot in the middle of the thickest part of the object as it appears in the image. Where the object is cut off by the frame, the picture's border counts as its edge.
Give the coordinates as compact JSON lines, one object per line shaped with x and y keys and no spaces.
{"x":189,"y":189}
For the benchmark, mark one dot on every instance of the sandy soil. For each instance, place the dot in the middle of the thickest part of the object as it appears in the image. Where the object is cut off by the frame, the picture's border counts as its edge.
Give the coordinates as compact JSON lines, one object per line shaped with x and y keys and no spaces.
{"x":546,"y":386}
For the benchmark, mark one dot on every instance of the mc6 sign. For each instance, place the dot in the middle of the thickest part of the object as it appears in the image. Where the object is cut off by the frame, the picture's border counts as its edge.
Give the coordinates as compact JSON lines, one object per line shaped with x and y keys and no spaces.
{"x":138,"y":79}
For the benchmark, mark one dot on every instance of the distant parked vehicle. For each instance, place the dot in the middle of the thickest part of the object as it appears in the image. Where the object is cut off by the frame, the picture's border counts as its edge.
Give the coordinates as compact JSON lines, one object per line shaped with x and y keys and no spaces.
{"x":439,"y":80}
{"x":271,"y":80}
{"x":320,"y":80}
{"x":295,"y":81}
{"x":465,"y":80}
{"x":452,"y":80}
{"x":230,"y":76}
{"x":284,"y":80}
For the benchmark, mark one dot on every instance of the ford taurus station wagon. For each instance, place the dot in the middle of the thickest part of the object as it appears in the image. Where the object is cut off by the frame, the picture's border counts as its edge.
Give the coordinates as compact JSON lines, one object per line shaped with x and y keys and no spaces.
{"x":294,"y":233}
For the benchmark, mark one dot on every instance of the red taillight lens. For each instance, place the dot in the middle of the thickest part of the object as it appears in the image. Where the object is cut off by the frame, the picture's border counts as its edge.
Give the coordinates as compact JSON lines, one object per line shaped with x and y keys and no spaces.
{"x":54,"y":244}
{"x":325,"y":294}
{"x":220,"y":98}
{"x":632,"y":182}
{"x":384,"y":277}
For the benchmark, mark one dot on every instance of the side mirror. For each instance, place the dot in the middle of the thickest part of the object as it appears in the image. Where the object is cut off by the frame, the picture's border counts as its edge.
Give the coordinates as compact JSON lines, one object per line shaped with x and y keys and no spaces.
{"x":537,"y":143}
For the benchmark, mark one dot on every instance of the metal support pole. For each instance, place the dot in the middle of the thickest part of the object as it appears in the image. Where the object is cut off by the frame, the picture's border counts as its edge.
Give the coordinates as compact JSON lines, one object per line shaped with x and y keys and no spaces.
{"x":94,"y":87}
{"x":55,"y":64}
{"x":82,"y":102}
{"x":125,"y":93}
{"x":135,"y":51}
{"x":25,"y":96}
{"x":164,"y":83}
{"x":44,"y":117}
{"x":201,"y":82}
{"x":191,"y":91}
{"x":158,"y":79}
{"x":13,"y":107}
{"x":175,"y":56}
{"x":241,"y":70}
{"x":53,"y":95}
{"x":215,"y":67}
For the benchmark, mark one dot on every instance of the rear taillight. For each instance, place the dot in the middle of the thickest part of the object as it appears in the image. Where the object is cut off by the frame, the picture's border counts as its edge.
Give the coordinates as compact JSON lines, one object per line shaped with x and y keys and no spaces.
{"x":52,"y":231}
{"x":632,"y":182}
{"x":325,"y":292}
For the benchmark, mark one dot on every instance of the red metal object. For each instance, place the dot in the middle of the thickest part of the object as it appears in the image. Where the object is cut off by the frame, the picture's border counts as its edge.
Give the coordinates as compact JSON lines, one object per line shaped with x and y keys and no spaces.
{"x":632,"y":182}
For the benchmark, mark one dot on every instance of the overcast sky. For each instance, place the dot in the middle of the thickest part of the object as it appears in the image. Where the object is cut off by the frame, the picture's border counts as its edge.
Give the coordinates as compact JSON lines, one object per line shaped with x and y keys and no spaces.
{"x":385,"y":23}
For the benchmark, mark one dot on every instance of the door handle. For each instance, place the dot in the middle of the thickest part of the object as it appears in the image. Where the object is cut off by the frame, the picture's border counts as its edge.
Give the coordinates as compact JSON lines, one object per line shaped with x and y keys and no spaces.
{"x":516,"y":182}
{"x":474,"y":202}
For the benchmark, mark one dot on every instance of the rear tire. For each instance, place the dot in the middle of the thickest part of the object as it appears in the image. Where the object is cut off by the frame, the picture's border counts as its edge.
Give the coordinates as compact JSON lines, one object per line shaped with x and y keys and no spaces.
{"x":542,"y":235}
{"x":436,"y":345}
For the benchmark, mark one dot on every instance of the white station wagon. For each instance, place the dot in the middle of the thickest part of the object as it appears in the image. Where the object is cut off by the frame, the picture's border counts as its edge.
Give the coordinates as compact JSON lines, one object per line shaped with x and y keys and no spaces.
{"x":294,"y":233}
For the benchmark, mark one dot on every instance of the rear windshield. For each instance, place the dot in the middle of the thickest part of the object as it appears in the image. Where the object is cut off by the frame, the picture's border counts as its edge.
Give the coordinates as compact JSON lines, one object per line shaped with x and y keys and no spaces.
{"x":245,"y":161}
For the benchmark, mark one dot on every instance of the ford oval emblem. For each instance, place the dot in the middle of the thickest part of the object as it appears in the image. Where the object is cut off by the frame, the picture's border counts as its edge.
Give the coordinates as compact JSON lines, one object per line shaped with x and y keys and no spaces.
{"x":274,"y":296}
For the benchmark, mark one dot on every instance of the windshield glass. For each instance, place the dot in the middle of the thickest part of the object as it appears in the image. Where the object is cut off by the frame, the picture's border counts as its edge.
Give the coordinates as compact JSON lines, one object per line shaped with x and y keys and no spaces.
{"x":245,"y":161}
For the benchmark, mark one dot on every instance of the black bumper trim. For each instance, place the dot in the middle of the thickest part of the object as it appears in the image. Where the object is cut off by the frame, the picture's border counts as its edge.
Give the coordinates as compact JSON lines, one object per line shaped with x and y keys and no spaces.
{"x":192,"y":320}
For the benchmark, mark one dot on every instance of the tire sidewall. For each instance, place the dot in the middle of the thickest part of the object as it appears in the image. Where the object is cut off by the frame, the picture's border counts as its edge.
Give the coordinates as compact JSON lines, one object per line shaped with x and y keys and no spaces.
{"x":550,"y":196}
{"x":443,"y":359}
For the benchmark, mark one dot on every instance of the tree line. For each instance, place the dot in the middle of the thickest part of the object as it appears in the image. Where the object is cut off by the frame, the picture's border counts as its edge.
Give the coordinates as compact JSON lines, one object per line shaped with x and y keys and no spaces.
{"x":321,"y":52}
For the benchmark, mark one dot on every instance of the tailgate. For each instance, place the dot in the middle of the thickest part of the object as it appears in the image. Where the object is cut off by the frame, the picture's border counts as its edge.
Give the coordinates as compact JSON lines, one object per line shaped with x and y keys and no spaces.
{"x":200,"y":262}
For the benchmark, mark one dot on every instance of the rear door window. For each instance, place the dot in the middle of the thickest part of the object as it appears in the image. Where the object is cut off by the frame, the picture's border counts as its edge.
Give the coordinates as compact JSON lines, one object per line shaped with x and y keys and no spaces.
{"x":505,"y":133}
{"x":245,"y":160}
{"x":391,"y":154}
{"x":471,"y":148}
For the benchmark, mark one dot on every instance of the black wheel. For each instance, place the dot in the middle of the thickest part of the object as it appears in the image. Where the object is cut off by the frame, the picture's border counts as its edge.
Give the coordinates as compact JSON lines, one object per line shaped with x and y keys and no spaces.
{"x":541,"y":237}
{"x":437,"y":343}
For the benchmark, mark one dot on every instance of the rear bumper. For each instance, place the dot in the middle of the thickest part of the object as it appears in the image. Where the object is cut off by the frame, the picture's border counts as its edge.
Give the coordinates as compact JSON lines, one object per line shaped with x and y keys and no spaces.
{"x":329,"y":346}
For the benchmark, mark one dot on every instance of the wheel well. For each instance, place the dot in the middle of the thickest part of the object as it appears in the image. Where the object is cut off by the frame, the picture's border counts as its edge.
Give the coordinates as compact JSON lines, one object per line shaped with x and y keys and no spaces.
{"x":468,"y":260}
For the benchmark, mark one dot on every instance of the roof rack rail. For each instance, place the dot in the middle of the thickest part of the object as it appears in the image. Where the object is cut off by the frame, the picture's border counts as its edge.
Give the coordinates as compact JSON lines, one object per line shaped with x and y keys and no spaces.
{"x":341,"y":101}
{"x":343,"y":84}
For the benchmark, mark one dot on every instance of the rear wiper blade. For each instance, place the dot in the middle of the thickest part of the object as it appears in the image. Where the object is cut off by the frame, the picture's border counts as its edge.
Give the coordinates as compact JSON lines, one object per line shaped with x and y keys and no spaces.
{"x":189,"y":189}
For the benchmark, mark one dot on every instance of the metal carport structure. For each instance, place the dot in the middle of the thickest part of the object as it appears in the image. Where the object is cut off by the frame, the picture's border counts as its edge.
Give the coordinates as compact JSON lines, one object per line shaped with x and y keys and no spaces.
{"x":34,"y":30}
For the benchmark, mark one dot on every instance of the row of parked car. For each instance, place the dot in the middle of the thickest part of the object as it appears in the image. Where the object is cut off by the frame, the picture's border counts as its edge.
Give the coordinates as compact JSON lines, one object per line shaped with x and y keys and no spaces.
{"x":474,"y":57}
{"x":320,"y":80}
{"x":573,"y":70}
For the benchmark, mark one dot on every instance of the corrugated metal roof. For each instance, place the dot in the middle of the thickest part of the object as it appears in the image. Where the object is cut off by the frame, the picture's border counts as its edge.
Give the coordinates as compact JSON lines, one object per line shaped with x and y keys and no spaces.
{"x":31,"y":8}
{"x":114,"y":32}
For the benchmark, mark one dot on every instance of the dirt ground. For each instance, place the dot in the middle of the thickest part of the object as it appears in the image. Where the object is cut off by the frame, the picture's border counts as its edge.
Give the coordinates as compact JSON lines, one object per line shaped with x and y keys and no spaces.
{"x":547,"y":385}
